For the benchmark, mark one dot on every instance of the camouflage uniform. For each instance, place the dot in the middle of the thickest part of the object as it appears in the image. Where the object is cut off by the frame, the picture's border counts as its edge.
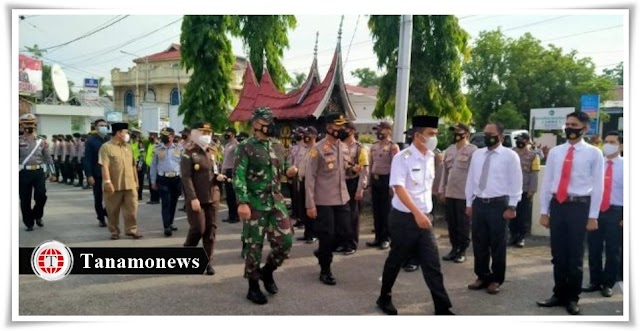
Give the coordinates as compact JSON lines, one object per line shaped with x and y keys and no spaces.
{"x":258,"y":170}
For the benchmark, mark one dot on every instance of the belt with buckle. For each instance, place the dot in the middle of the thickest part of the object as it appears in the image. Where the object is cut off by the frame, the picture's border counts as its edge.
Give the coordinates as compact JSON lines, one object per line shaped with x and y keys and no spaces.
{"x":492,"y":200}
{"x":573,"y":198}
{"x":169,"y":174}
{"x":32,"y":167}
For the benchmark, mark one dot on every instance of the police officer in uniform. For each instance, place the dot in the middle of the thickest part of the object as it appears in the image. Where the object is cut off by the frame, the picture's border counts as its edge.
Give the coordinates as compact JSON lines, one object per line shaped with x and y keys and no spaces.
{"x":59,"y":159}
{"x":382,"y":153}
{"x":78,"y":145}
{"x":327,"y":197}
{"x":410,"y":222}
{"x":530,"y":164}
{"x":297,"y":171}
{"x":33,"y":156}
{"x":137,"y":147}
{"x":154,"y":198}
{"x":202,"y":193}
{"x":165,"y":177}
{"x":297,"y":206}
{"x":227,"y":170}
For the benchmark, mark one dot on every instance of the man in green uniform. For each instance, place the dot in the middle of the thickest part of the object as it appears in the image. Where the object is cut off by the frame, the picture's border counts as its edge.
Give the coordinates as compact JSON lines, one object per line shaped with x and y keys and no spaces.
{"x":261,"y":205}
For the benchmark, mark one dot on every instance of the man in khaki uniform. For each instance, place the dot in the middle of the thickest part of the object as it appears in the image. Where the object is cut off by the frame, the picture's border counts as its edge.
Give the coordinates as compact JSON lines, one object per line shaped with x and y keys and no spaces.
{"x":297,"y":172}
{"x":452,"y":185}
{"x":520,"y":226}
{"x":327,"y":196}
{"x":120,"y":182}
{"x":382,"y":153}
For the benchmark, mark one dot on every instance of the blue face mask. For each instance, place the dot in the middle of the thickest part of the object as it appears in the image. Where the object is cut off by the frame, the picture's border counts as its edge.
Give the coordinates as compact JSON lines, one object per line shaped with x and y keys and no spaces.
{"x":103,"y":130}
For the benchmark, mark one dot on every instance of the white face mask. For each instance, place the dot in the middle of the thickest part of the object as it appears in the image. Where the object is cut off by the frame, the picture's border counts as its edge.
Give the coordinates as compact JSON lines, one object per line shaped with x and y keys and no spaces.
{"x":205,"y":140}
{"x":127,"y":137}
{"x":430,"y":143}
{"x":609,"y":149}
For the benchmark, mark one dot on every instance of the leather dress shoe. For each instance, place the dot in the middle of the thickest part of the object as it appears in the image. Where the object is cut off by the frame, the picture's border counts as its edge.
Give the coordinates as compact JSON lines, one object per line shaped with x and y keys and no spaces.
{"x":493,"y":288}
{"x":477,"y":285}
{"x":519,"y":243}
{"x":115,"y":236}
{"x":460,"y":258}
{"x":173,"y":228}
{"x":606,"y":292}
{"x":451,"y":255}
{"x":134,"y":235}
{"x":591,"y":288}
{"x":573,"y":308}
{"x":327,"y":278}
{"x":153,"y":202}
{"x":226,"y":220}
{"x":234,"y":221}
{"x":384,"y":245}
{"x":257,"y":297}
{"x":554,"y":301}
{"x":340,"y":249}
{"x":311,"y":240}
{"x":29,"y":228}
{"x":302,"y":239}
{"x":102,"y":224}
{"x":410,"y":267}
{"x":168,"y":232}
{"x":39,"y":222}
{"x":374,"y":243}
{"x":210,"y":270}
{"x":349,"y":251}
{"x":386,"y":306}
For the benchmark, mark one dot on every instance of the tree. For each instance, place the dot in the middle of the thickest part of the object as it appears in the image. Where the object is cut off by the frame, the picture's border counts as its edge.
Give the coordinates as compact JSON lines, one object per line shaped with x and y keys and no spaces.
{"x":206,"y":50}
{"x":297,"y":80}
{"x":36,"y":51}
{"x":368,"y":77}
{"x":439,"y":47}
{"x":615,"y":74}
{"x":265,"y":34}
{"x":527,"y":75}
{"x":509,"y":116}
{"x":103,"y":89}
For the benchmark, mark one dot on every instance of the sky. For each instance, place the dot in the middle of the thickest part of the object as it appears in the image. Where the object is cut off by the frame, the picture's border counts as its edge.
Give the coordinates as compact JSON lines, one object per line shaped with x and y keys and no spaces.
{"x":596,"y":35}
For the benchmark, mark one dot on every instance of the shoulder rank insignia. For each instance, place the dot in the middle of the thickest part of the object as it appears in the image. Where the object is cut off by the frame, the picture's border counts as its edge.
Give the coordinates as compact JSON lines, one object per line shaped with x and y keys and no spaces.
{"x":313,"y":152}
{"x":406,"y":154}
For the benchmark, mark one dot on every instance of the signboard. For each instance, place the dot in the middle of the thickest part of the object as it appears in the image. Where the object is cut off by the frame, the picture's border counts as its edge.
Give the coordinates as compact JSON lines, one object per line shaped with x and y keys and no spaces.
{"x":30,"y":75}
{"x":175,"y":121}
{"x":113,"y":116}
{"x":91,"y":87}
{"x":590,"y":104}
{"x":549,"y":118}
{"x":150,"y":120}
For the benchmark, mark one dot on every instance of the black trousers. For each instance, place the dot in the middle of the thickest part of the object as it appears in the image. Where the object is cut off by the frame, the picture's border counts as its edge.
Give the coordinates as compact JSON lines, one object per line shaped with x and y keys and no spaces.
{"x":80,"y":171}
{"x":142,"y":169}
{"x":489,"y":231}
{"x":68,"y":168}
{"x":568,"y":228}
{"x":231,"y":196}
{"x":169,"y":189}
{"x":32,"y":183}
{"x":407,"y":240}
{"x":155,"y":195}
{"x":607,"y":238}
{"x":328,"y":220}
{"x":381,"y":201}
{"x":520,"y":226}
{"x":309,"y":224}
{"x":458,"y":224}
{"x":101,"y":212}
{"x":350,"y":239}
{"x":58,"y":165}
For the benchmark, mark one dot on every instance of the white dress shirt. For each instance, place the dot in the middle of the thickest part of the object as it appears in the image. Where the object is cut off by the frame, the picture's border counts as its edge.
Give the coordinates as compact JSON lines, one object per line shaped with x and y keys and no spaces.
{"x":587,"y":175}
{"x":415,"y":172}
{"x":504,"y":179}
{"x":617,"y":185}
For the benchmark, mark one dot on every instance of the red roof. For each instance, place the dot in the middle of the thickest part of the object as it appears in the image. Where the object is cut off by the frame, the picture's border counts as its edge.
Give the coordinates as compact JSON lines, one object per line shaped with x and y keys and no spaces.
{"x":361,"y":90}
{"x":172,"y":54}
{"x":301,"y":103}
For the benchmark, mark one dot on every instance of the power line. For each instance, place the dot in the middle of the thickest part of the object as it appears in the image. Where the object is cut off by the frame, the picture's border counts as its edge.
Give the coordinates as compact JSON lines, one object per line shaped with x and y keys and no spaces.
{"x":534,"y":23}
{"x":351,"y":42}
{"x":85,"y":35}
{"x":586,"y":32}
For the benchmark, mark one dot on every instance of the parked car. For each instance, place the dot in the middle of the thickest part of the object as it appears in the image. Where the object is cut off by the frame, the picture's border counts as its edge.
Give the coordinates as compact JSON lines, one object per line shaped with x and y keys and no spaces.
{"x":509,"y":138}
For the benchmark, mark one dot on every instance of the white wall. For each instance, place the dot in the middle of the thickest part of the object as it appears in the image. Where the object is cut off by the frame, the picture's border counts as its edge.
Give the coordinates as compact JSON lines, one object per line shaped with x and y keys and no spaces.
{"x":59,"y":124}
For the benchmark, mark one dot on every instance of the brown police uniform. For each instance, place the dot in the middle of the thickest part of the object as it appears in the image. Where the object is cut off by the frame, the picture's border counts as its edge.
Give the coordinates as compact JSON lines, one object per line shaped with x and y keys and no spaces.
{"x":520,"y":226}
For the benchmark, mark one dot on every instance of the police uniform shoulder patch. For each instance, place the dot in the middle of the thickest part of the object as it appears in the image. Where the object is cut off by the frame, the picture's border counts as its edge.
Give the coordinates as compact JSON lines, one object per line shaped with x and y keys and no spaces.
{"x":406,"y":154}
{"x":313,"y":153}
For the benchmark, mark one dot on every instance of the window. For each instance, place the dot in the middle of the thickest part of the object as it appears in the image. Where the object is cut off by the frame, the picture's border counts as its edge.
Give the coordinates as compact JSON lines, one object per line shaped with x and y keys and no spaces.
{"x":150,"y":96}
{"x":174,"y":97}
{"x":129,"y":99}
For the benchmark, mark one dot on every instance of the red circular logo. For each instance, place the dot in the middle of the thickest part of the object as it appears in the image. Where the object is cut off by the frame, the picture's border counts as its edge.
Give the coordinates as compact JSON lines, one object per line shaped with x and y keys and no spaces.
{"x":50,"y":261}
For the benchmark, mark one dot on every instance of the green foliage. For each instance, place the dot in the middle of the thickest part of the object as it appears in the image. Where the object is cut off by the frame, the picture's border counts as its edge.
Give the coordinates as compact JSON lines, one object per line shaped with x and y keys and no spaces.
{"x":439,"y":47}
{"x":615,"y":75}
{"x":368,"y":77}
{"x":265,"y":34}
{"x":524,"y":73}
{"x":366,"y":138}
{"x":445,"y":137}
{"x":206,"y":51}
{"x":509,"y":116}
{"x":36,"y":51}
{"x":297,"y":80}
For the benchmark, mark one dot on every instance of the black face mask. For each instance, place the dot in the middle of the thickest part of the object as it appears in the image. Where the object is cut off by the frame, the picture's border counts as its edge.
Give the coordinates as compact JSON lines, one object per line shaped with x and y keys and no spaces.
{"x":82,"y":139}
{"x":269,"y":130}
{"x":340,"y":134}
{"x":307,"y":139}
{"x":28,"y":130}
{"x":298,"y":137}
{"x":240,"y":140}
{"x":521,"y":144}
{"x":380,"y":135}
{"x":165,"y":139}
{"x":457,"y":137}
{"x":572,"y":133}
{"x":490,"y":141}
{"x":184,"y":136}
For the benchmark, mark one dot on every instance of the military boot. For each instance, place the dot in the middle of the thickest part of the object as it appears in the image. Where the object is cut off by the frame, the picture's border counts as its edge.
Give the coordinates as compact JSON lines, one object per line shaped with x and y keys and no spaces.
{"x":267,"y":277}
{"x":255,"y":294}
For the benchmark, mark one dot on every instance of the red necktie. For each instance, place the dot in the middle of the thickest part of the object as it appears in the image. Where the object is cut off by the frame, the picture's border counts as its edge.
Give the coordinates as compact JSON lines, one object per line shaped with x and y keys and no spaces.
{"x":606,"y":197}
{"x":561,"y":194}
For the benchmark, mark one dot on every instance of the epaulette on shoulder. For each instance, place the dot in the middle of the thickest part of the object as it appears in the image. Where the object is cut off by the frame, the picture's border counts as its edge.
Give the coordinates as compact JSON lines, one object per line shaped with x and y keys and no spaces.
{"x":406,"y":154}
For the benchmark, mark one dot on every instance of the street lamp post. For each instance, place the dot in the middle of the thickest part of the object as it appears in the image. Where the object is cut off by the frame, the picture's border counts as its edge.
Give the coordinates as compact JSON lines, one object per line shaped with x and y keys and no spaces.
{"x":146,"y":64}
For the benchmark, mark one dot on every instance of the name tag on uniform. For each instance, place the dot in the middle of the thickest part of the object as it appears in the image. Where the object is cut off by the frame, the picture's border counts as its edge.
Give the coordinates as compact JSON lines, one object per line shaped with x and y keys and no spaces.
{"x":416,"y":169}
{"x":463,"y":158}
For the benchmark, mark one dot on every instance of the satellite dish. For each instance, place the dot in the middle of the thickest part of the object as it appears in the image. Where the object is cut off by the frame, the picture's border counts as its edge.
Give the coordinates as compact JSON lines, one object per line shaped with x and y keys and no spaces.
{"x":60,"y":84}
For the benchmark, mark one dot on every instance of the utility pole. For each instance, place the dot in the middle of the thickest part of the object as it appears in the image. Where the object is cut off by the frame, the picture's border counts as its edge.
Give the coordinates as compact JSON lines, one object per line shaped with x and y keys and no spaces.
{"x":402,"y":87}
{"x":146,"y":64}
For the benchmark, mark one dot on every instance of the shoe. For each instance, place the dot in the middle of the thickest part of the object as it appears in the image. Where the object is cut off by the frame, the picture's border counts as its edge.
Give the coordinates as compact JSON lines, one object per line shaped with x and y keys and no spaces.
{"x":493,"y":288}
{"x":316,"y":253}
{"x":311,"y":241}
{"x":573,"y":308}
{"x":173,"y":228}
{"x":591,"y":288}
{"x":39,"y":222}
{"x":460,"y":257}
{"x":327,"y":278}
{"x":386,"y":305}
{"x":349,"y":251}
{"x":298,"y":224}
{"x":410,"y":267}
{"x":226,"y":220}
{"x":269,"y":284}
{"x":384,"y":245}
{"x":340,"y":249}
{"x":477,"y":285}
{"x":115,"y":236}
{"x":554,"y":301}
{"x":302,"y":239}
{"x":210,"y":270}
{"x":234,"y":221}
{"x":102,"y":224}
{"x":134,"y":235}
{"x":29,"y":228}
{"x":451,"y":255}
{"x":168,"y":232}
{"x":606,"y":292}
{"x":257,"y":297}
{"x":153,"y":202}
{"x":183,"y":209}
{"x":445,"y":312}
{"x":519,"y":244}
{"x":374,"y":243}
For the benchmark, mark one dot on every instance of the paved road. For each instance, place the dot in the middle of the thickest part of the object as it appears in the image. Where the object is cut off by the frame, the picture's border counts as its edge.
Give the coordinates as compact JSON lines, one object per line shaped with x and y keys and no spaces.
{"x":69,"y":218}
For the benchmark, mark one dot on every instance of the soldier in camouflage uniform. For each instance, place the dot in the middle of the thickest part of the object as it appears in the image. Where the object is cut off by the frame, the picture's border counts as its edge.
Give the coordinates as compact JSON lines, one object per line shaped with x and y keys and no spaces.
{"x":261,"y":205}
{"x":33,"y":156}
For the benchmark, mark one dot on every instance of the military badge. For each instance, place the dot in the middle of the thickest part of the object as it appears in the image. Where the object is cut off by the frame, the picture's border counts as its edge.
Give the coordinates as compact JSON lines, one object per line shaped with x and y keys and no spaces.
{"x":196,"y":167}
{"x":385,"y":148}
{"x":330,"y":165}
{"x":176,"y":152}
{"x":313,"y":153}
{"x":161,"y":154}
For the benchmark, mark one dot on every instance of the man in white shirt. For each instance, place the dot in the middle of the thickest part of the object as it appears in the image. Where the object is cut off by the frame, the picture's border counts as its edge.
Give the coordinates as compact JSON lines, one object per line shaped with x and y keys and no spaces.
{"x":493,"y":189}
{"x":410,"y":226}
{"x":569,"y":206}
{"x":609,"y":232}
